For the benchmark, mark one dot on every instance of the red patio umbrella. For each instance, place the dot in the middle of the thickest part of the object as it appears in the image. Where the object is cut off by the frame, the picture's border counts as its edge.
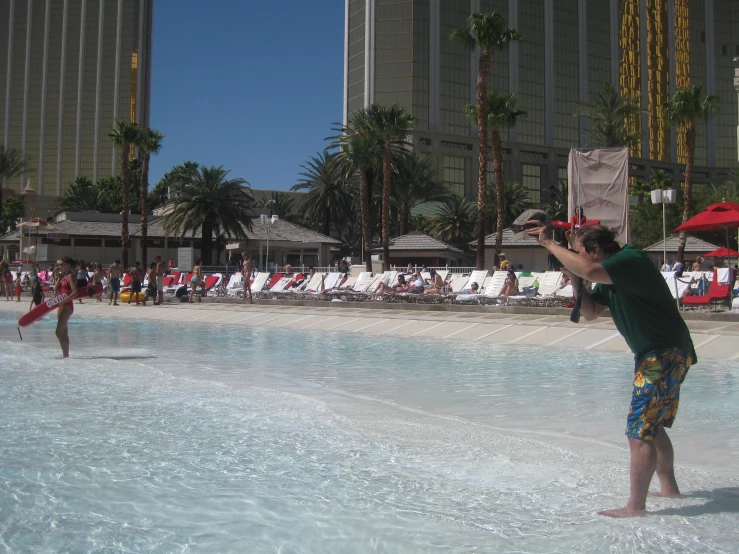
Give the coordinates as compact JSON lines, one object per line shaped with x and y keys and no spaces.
{"x":722,"y":253}
{"x":724,"y":215}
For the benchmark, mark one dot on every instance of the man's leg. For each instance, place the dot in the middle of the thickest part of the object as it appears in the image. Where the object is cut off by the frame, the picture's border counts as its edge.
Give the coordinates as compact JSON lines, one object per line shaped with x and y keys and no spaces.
{"x":666,"y":467}
{"x":641,"y":469}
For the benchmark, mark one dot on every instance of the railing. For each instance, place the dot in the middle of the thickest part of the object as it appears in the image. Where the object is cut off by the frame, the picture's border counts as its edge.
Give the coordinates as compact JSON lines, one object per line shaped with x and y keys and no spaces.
{"x":210,"y":269}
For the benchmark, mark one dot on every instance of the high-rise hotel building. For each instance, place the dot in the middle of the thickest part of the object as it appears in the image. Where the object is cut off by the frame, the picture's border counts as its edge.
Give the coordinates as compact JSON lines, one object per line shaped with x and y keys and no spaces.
{"x":398,"y":51}
{"x":68,"y":70}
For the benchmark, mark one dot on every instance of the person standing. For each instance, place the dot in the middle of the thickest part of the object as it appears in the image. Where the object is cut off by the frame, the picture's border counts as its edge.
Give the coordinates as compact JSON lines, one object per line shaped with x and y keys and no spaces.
{"x":82,"y":277}
{"x":18,"y":288}
{"x":644,"y":312}
{"x":678,"y":266}
{"x":7,"y":283}
{"x":67,"y":283}
{"x":247,"y":271}
{"x":197,"y":277}
{"x":505,"y":263}
{"x":137,"y":276}
{"x":97,"y":279}
{"x":114,"y":277}
{"x":37,"y":293}
{"x":159,"y":270}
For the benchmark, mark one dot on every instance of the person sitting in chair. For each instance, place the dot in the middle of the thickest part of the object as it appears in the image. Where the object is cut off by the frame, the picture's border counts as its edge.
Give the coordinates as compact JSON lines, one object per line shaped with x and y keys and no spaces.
{"x":510,"y":286}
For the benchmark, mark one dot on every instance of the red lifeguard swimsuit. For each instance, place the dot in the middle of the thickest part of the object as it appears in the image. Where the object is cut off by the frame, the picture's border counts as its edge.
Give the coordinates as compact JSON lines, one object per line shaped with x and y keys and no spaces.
{"x":66,"y":287}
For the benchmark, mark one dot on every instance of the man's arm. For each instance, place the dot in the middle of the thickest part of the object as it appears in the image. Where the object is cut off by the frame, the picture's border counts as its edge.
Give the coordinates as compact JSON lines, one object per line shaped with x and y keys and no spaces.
{"x":590,"y":270}
{"x":590,"y":309}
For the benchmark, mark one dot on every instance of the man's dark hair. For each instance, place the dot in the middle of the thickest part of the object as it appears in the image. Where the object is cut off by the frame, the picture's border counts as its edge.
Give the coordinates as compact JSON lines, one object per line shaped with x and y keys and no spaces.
{"x":604,"y":237}
{"x":117,"y":261}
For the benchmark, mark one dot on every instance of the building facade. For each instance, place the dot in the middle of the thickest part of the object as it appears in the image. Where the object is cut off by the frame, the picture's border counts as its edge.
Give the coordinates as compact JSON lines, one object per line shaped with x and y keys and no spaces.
{"x":399,"y":52}
{"x":69,"y":69}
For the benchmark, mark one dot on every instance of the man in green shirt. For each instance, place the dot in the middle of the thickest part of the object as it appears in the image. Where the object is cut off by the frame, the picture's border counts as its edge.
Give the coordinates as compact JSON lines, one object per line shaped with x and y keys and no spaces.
{"x":630,"y":285}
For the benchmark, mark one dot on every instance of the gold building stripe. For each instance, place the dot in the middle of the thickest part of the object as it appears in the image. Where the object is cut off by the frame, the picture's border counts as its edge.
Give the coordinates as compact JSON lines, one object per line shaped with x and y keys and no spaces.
{"x":682,"y":64}
{"x":630,"y":65}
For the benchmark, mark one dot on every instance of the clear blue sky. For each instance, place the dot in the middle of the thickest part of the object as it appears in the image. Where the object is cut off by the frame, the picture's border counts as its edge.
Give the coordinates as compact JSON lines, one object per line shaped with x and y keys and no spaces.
{"x":251,"y":85}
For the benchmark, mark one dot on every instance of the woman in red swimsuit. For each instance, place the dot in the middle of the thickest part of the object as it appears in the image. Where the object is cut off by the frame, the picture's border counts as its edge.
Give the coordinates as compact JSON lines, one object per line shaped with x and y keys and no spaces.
{"x":67,"y":283}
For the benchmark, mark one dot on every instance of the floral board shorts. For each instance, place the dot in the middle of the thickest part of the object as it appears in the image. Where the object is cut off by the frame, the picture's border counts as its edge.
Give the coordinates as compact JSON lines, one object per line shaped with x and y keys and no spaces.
{"x":656,"y":393}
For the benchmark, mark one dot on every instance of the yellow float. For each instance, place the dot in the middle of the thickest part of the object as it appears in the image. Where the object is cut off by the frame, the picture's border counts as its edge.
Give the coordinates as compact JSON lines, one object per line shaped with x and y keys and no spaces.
{"x":124,"y":296}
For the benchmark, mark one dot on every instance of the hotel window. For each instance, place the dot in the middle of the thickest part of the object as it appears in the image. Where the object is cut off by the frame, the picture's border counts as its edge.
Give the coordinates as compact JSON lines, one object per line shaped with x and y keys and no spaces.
{"x":531,"y":72}
{"x":531,"y":182}
{"x":454,"y":174}
{"x":454,"y":70}
{"x":562,"y":175}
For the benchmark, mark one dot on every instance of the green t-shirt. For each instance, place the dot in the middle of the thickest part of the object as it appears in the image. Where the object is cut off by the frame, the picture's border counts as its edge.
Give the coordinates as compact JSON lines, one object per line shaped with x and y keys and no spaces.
{"x":641,"y":304}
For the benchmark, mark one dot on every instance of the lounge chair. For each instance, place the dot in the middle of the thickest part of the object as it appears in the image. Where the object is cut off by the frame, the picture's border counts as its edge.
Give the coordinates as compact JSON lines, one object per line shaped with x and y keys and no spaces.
{"x":458,"y":283}
{"x":212,"y":283}
{"x":465,"y":295}
{"x":260,"y":280}
{"x":235,"y":285}
{"x":492,"y":294}
{"x":277,"y":283}
{"x":328,"y":284}
{"x":301,"y":285}
{"x":718,"y":291}
{"x":549,"y":283}
{"x":678,"y":285}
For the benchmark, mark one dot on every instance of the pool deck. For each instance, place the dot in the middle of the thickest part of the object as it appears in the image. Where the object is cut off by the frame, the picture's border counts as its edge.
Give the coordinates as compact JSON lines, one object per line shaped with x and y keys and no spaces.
{"x":715,"y":335}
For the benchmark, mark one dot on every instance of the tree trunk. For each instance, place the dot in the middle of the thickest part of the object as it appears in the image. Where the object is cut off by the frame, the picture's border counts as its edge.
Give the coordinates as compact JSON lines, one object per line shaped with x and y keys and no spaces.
{"x":144,"y":223}
{"x":499,"y":189}
{"x":608,"y":132}
{"x":206,"y":243}
{"x":124,"y":207}
{"x":482,"y":141}
{"x":365,"y":210}
{"x":688,"y":187}
{"x":327,"y":224}
{"x":405,"y":221}
{"x":387,"y":160}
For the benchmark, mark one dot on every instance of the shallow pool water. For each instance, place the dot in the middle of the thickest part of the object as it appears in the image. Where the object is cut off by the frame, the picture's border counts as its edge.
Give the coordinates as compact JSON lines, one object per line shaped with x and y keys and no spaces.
{"x":166,"y":437}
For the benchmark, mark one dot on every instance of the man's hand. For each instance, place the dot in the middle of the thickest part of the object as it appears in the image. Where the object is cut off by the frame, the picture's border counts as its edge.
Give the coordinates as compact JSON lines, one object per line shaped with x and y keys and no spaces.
{"x":537,"y":229}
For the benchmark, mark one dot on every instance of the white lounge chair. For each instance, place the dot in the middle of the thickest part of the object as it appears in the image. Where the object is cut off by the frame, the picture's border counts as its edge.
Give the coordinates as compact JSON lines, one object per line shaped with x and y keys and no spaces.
{"x":465,"y":295}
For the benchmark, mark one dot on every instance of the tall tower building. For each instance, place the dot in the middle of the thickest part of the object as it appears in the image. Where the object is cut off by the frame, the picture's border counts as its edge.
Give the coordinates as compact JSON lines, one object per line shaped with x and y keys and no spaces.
{"x":69,"y":69}
{"x":398,"y":51}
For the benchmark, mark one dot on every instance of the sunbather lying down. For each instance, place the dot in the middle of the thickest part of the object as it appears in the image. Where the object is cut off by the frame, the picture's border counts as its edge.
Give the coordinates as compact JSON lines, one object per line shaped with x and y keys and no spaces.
{"x":474,"y":289}
{"x":400,"y":286}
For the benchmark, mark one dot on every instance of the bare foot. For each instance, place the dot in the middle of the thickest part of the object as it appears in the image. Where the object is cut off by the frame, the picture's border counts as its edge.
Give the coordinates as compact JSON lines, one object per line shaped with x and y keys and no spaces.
{"x":622,"y":513}
{"x":661,"y":494}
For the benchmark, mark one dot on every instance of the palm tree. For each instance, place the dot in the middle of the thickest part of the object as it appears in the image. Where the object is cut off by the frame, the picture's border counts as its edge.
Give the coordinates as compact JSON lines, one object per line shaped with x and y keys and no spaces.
{"x":455,"y":222}
{"x":359,"y":152}
{"x":328,"y":200}
{"x":13,"y":209}
{"x":390,"y":125}
{"x":12,"y":164}
{"x":149,"y":142}
{"x":611,"y":115}
{"x":123,"y":135}
{"x":515,"y":202}
{"x":488,"y":32}
{"x":416,"y":181}
{"x":82,"y":195}
{"x":502,"y":114}
{"x":210,"y":202}
{"x":685,"y":107}
{"x":282,"y":205}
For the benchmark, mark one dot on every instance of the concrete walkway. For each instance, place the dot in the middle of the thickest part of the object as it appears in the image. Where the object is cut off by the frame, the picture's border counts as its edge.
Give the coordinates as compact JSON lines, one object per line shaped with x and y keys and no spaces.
{"x":713,"y":338}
